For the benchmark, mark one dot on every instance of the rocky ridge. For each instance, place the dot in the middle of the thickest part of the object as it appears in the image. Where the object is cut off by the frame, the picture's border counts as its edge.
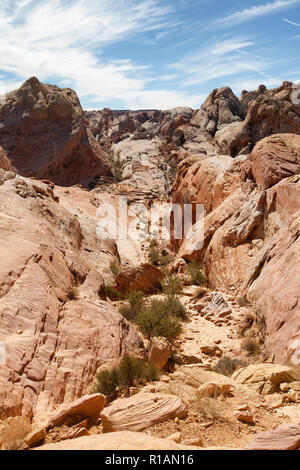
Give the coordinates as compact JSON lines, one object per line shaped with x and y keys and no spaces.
{"x":237,"y":156}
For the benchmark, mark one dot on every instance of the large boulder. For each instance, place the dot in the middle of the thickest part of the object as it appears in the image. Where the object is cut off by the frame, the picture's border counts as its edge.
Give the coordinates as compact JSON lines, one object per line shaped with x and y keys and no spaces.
{"x":88,"y":406}
{"x":159,"y":351}
{"x":44,"y":135}
{"x":123,"y":440}
{"x":141,"y":411}
{"x":265,"y":378}
{"x":274,"y":158}
{"x":144,"y":278}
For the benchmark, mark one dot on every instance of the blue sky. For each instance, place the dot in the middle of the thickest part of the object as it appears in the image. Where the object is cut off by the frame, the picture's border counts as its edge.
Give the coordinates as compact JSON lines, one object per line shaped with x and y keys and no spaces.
{"x":138,"y":54}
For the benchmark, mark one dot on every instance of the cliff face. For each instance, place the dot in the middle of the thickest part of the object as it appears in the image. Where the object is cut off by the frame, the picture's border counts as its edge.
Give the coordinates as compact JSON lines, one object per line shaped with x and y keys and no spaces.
{"x":240,"y":157}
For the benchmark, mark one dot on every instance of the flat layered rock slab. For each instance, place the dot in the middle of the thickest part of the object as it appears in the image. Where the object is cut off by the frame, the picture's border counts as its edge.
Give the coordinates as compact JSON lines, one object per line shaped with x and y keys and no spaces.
{"x":286,"y":437}
{"x":123,"y":440}
{"x":88,"y":406}
{"x":141,"y":411}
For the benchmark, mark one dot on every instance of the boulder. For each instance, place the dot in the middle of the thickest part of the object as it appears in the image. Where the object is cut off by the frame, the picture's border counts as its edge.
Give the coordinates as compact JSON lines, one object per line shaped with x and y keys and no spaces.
{"x":144,"y":278}
{"x":35,"y":438}
{"x":274,"y":158}
{"x":159,"y":351}
{"x":264,"y":378}
{"x":141,"y":411}
{"x":123,"y":440}
{"x":88,"y":406}
{"x":286,"y":437}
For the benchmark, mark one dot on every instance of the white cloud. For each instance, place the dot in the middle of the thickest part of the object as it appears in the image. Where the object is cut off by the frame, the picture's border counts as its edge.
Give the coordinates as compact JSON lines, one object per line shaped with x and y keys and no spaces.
{"x":63,"y":41}
{"x":254,"y":12}
{"x":222,"y":59}
{"x":290,"y":22}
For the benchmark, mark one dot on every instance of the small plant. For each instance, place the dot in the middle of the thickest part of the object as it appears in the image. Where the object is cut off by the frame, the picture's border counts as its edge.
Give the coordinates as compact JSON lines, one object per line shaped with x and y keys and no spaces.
{"x":127,"y":373}
{"x":171,"y":285}
{"x":135,"y":298}
{"x":227,"y":366}
{"x":154,"y":256}
{"x":112,"y":293}
{"x":175,"y":308}
{"x":196,"y":275}
{"x":72,"y":293}
{"x":243,"y":301}
{"x":115,"y":267}
{"x":129,"y":312}
{"x":209,"y":407}
{"x":250,"y":346}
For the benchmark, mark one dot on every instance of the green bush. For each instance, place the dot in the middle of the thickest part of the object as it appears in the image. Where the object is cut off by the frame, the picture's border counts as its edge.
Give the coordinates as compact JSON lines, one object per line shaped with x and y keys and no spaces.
{"x":226,"y":365}
{"x":129,"y":312}
{"x":157,"y":320}
{"x":115,"y":267}
{"x":135,"y":297}
{"x":175,"y":308}
{"x":113,"y":294}
{"x":171,"y":285}
{"x":154,"y":256}
{"x":196,"y":275}
{"x":129,"y":371}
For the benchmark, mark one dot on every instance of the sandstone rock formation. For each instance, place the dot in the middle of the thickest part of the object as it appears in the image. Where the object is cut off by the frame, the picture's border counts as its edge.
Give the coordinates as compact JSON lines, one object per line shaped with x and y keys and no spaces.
{"x":144,"y":278}
{"x":286,"y":437}
{"x":56,"y":329}
{"x":122,"y":440}
{"x":88,"y":406}
{"x":141,"y":411}
{"x":44,"y":135}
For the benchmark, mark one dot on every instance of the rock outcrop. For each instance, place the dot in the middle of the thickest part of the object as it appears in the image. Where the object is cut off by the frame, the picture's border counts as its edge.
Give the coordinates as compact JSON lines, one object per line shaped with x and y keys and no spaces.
{"x":144,"y":278}
{"x":141,"y":411}
{"x":54,"y":325}
{"x":286,"y":437}
{"x":44,"y":135}
{"x":123,"y":440}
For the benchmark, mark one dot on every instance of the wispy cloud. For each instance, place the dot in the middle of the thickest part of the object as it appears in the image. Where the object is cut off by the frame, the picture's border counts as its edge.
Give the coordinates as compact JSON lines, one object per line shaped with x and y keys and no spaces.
{"x":251,"y":13}
{"x":64,"y":40}
{"x":221,"y":59}
{"x":290,"y":22}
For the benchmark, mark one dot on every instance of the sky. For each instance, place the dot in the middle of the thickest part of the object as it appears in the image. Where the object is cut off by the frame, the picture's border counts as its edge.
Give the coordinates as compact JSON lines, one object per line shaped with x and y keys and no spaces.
{"x":149,"y":54}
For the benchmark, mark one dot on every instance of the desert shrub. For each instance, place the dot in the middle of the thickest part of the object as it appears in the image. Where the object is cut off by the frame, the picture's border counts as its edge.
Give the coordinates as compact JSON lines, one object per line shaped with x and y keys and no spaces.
{"x":115,"y":267}
{"x":196,"y":275}
{"x":226,"y":365}
{"x":157,"y":320}
{"x":165,"y":258}
{"x":243,"y":301}
{"x":175,"y":308}
{"x":127,"y":373}
{"x":135,"y":297}
{"x":113,"y":294}
{"x":209,"y":407}
{"x":250,"y":346}
{"x":72,"y":293}
{"x":107,"y":381}
{"x":154,"y":256}
{"x":246,"y":323}
{"x":171,"y":285}
{"x":129,"y":312}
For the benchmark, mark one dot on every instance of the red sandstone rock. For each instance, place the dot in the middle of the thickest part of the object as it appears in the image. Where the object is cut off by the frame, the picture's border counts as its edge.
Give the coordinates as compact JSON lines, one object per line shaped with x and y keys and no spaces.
{"x":44,"y":135}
